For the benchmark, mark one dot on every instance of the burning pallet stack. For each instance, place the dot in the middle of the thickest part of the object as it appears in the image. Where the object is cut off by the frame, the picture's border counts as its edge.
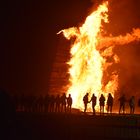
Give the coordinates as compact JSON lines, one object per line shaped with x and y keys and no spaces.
{"x":59,"y":75}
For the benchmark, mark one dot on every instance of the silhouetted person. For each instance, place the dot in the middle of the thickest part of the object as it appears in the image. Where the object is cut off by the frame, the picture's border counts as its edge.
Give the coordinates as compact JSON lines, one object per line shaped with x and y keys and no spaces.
{"x":132,"y":104}
{"x":26,"y":103}
{"x":32,"y":99}
{"x":29,"y":101}
{"x":93,"y":100}
{"x":69,"y":102}
{"x":40,"y":103}
{"x":46,"y":103}
{"x":15,"y":101}
{"x":52,"y":102}
{"x":57,"y":103}
{"x":102,"y":103}
{"x":122,"y":100}
{"x":22,"y":101}
{"x":109,"y":103}
{"x":85,"y":100}
{"x":63,"y":102}
{"x":35,"y":104}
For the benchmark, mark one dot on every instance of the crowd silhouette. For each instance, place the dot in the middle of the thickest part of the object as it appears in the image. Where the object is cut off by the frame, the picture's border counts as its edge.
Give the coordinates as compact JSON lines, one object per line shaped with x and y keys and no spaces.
{"x":59,"y":104}
{"x":47,"y":103}
{"x":109,"y":103}
{"x":63,"y":103}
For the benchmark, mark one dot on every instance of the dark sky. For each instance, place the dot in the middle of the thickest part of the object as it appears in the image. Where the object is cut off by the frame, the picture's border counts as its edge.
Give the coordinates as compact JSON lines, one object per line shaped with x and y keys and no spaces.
{"x":29,"y":39}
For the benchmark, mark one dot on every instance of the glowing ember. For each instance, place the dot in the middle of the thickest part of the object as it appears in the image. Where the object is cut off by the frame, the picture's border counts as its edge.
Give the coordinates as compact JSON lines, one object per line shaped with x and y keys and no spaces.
{"x":88,"y":63}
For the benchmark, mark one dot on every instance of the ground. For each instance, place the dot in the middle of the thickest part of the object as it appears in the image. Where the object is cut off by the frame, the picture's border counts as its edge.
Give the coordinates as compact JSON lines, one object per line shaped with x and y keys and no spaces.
{"x":40,"y":126}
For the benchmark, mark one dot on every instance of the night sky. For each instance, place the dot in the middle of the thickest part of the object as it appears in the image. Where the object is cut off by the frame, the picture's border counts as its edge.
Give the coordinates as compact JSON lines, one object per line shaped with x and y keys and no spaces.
{"x":29,"y":39}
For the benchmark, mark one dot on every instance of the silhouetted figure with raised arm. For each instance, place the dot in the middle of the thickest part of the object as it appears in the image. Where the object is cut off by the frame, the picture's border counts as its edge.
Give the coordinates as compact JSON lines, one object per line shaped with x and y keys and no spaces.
{"x":102,"y":104}
{"x":85,"y":100}
{"x":93,"y":100}
{"x":132,"y":104}
{"x":63,"y":102}
{"x":109,"y":103}
{"x":122,"y":100}
{"x":69,"y":103}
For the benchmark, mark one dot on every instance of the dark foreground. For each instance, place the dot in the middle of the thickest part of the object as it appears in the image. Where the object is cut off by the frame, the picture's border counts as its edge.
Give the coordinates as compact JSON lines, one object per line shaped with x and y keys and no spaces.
{"x":35,"y":126}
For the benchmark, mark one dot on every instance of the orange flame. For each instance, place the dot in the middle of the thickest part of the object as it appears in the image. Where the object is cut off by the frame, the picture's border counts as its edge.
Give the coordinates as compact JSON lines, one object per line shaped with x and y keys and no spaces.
{"x":88,"y":63}
{"x":119,"y":40}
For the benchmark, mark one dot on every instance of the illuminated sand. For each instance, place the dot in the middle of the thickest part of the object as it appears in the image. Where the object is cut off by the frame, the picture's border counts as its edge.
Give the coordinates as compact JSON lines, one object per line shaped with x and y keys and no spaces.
{"x":74,"y":126}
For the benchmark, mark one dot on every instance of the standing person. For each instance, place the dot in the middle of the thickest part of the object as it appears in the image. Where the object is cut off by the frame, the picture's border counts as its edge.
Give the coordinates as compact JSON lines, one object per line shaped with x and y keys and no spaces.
{"x":102,"y":103}
{"x":122,"y":100}
{"x":69,"y":102}
{"x":85,"y":100}
{"x":63,"y":102}
{"x":46,"y":102}
{"x":93,"y":100}
{"x":57,"y":103}
{"x":132,"y":104}
{"x":51,"y":102}
{"x":40,"y":103}
{"x":109,"y":103}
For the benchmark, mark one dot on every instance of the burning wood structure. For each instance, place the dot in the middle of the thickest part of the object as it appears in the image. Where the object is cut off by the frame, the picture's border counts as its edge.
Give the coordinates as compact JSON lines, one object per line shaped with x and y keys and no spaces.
{"x":59,"y":75}
{"x":86,"y":70}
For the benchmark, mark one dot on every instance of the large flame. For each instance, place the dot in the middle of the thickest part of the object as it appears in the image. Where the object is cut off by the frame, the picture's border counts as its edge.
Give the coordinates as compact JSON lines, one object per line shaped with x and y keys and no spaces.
{"x":88,"y":63}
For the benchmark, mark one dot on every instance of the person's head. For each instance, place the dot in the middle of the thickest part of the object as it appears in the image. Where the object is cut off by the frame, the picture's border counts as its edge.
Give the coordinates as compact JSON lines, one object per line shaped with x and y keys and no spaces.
{"x":69,"y":95}
{"x":93,"y":94}
{"x":87,"y":94}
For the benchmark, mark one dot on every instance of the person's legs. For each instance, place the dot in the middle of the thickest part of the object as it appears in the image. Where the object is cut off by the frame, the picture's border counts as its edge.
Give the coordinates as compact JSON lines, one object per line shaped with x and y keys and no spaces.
{"x":85,"y":107}
{"x":93,"y":108}
{"x":103,"y":109}
{"x":133,"y":109}
{"x":107,"y":108}
{"x":120,"y":109}
{"x":100,"y":109}
{"x":123,"y":108}
{"x":111,"y":109}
